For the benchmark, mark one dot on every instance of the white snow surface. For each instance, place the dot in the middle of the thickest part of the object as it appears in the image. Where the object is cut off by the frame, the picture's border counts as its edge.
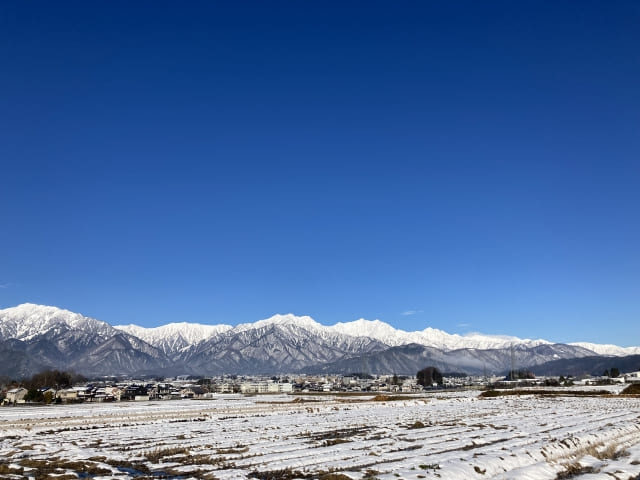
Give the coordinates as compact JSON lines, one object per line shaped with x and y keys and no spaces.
{"x":450,"y":435}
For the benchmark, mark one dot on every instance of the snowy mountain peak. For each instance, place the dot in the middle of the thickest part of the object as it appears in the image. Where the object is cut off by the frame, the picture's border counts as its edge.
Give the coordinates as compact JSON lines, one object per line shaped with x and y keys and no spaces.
{"x":174,"y":336}
{"x":612,"y":350}
{"x":431,"y":337}
{"x":279,"y":319}
{"x":374,"y":329}
{"x":41,"y":312}
{"x":28,"y":320}
{"x":448,"y":341}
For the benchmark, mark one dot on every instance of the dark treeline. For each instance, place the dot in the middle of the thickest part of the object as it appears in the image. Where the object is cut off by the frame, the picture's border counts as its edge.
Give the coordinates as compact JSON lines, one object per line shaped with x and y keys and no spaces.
{"x":429,"y":376}
{"x":53,"y":379}
{"x":48,"y":379}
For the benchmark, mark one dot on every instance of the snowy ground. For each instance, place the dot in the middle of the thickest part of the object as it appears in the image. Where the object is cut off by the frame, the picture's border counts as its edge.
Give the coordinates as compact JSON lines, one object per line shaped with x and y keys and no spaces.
{"x":452,"y":435}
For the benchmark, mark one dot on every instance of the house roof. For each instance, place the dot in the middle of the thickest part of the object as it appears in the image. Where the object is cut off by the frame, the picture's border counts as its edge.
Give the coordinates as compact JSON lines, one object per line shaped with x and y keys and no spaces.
{"x":16,"y":390}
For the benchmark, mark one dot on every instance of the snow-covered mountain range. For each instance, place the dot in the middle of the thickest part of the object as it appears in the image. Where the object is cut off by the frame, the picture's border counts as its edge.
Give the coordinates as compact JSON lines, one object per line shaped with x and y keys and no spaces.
{"x":375,"y":329}
{"x":33,"y":337}
{"x":607,"y":349}
{"x":184,"y":334}
{"x":175,"y":337}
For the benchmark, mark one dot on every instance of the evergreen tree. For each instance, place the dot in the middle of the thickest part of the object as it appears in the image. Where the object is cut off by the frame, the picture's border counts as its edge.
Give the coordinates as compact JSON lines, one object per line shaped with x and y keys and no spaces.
{"x":428,"y":376}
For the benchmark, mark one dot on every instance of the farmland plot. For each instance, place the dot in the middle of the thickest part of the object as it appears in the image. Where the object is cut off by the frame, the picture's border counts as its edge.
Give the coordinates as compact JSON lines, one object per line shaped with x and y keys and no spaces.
{"x":448,"y":436}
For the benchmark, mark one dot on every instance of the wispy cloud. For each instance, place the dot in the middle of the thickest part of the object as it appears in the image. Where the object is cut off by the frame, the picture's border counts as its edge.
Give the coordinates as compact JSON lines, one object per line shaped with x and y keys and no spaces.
{"x":464,"y":325}
{"x":5,"y":285}
{"x":410,"y":312}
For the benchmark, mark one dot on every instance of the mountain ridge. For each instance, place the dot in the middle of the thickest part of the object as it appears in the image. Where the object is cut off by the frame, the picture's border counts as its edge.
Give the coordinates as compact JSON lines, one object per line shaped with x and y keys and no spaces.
{"x":39,"y":335}
{"x":193,"y":333}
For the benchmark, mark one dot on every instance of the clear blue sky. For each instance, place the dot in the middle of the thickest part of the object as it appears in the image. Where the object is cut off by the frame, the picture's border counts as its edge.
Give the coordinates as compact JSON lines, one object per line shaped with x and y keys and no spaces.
{"x":469,"y":166}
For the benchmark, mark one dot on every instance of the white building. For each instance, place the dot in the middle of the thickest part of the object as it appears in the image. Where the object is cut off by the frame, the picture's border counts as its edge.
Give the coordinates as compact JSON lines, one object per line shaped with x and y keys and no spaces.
{"x":114,"y":392}
{"x":224,"y":387}
{"x":633,"y":377}
{"x":266,"y":387}
{"x":16,"y":395}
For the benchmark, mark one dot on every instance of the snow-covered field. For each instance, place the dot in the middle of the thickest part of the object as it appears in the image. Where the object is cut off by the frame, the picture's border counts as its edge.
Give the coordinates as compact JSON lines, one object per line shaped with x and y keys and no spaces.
{"x":442,"y":435}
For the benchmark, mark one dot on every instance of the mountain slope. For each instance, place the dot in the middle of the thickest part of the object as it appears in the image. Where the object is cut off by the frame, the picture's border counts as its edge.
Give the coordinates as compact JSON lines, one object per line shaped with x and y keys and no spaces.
{"x":175,"y":337}
{"x":272,"y":348}
{"x":121,"y":354}
{"x":28,"y":320}
{"x":16,"y":362}
{"x":408,"y":359}
{"x":591,"y":365}
{"x":55,"y":338}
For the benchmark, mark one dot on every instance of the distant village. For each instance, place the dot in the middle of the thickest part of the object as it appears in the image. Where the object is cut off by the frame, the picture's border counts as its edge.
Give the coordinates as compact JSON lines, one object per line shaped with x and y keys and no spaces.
{"x":186,"y":387}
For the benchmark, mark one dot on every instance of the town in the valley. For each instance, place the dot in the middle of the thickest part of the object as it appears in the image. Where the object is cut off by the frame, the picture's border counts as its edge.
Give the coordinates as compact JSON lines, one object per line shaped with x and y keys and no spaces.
{"x":187,"y":387}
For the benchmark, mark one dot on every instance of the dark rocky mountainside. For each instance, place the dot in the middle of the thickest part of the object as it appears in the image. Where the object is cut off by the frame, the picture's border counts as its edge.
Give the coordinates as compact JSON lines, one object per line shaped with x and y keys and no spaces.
{"x":408,"y":359}
{"x":592,"y":365}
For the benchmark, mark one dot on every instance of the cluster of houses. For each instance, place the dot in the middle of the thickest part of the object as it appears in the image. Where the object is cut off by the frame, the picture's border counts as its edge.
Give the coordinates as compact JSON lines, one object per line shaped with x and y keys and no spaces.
{"x":109,"y":393}
{"x":183,"y":388}
{"x":144,"y":391}
{"x":633,"y":377}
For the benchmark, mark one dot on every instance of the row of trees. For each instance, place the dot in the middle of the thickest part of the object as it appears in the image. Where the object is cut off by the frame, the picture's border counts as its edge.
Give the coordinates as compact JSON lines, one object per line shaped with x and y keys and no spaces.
{"x":54,"y":379}
{"x":428,"y":376}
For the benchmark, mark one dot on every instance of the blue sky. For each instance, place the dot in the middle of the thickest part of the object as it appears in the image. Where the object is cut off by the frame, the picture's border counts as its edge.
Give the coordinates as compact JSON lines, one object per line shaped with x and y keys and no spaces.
{"x":469,"y":166}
